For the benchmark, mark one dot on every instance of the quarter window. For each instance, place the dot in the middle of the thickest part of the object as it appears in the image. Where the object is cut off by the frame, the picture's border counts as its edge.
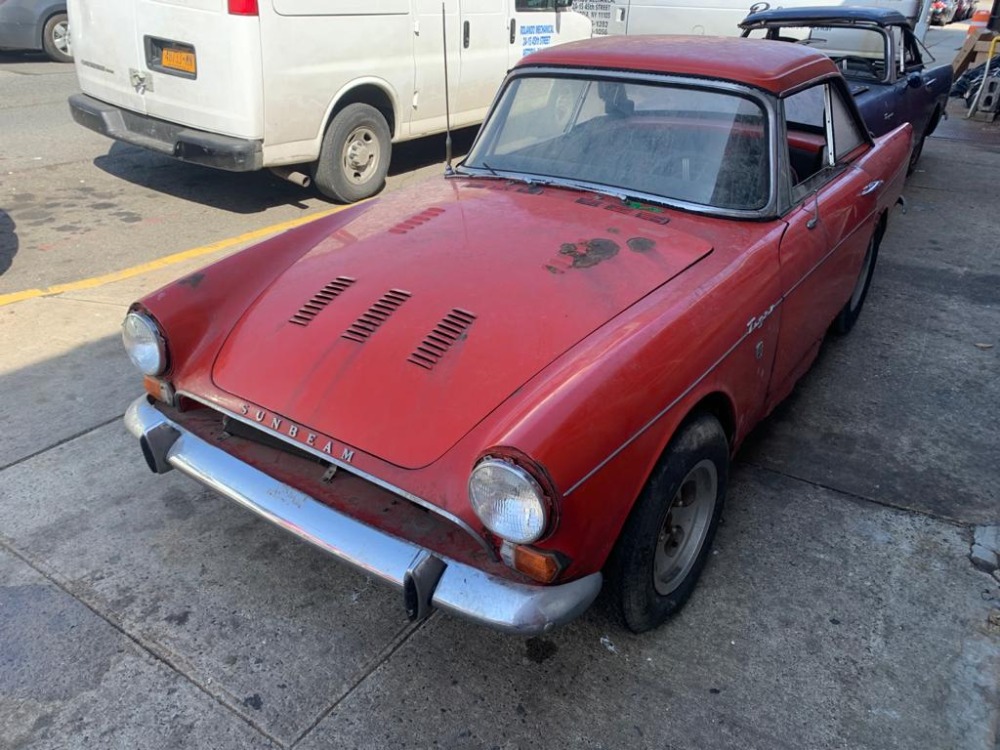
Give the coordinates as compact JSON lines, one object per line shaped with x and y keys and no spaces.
{"x":819,"y":123}
{"x":846,"y":135}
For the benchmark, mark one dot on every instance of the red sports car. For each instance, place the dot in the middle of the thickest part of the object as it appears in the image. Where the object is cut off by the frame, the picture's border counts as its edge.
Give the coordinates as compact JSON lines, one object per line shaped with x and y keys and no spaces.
{"x":507,"y":387}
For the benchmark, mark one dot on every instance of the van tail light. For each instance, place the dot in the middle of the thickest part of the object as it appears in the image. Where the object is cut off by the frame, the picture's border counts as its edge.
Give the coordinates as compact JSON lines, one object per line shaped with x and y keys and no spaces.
{"x":243,"y":7}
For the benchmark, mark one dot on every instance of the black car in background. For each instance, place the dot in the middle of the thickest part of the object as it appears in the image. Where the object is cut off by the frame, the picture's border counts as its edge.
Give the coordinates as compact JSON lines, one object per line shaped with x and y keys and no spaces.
{"x":892,"y":75}
{"x":36,"y":25}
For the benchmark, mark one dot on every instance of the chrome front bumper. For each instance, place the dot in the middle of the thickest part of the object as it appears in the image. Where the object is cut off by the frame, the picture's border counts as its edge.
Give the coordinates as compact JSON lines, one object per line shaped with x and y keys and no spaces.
{"x":427,"y":579}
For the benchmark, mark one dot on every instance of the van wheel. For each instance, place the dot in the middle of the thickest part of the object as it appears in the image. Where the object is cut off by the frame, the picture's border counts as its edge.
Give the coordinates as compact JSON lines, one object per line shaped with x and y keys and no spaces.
{"x":668,"y":536}
{"x":354,"y":158}
{"x":56,"y":39}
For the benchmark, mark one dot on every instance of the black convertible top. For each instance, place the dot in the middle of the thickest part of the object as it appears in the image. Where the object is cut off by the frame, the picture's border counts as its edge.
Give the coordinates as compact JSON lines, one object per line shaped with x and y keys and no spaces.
{"x":822,"y":16}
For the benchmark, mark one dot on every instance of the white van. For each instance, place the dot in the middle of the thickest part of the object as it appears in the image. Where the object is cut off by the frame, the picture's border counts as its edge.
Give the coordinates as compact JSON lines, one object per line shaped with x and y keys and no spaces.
{"x":703,"y":17}
{"x":314,"y":89}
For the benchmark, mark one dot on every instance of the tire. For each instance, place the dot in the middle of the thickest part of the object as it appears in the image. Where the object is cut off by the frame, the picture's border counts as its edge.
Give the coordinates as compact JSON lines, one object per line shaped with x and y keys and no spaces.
{"x":918,"y":149}
{"x":56,"y":40}
{"x":656,"y":561}
{"x":848,"y":315}
{"x":354,"y":157}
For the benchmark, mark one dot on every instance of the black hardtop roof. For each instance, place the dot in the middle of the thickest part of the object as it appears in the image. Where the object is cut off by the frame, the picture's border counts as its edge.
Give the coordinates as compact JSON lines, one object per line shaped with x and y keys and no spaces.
{"x":828,"y":15}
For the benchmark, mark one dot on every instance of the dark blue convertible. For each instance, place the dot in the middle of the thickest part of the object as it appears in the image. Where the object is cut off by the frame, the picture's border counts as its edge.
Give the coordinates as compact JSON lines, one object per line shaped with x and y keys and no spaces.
{"x":891,"y":74}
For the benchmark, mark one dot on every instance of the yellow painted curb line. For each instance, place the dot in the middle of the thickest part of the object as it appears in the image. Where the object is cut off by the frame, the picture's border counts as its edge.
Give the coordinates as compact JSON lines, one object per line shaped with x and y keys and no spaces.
{"x":169,"y":260}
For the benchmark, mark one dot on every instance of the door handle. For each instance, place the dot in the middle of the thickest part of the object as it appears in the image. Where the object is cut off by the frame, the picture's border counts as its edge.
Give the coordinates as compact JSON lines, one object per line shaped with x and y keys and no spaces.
{"x":513,"y":31}
{"x":465,"y":35}
{"x":871,"y":187}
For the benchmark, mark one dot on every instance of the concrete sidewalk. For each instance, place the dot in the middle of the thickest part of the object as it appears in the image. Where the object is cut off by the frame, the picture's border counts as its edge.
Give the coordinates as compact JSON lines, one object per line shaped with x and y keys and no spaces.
{"x":839,"y":610}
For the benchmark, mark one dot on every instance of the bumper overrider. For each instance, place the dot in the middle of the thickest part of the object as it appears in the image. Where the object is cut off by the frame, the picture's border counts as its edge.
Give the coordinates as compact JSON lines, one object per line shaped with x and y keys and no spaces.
{"x":427,"y":579}
{"x":184,"y":143}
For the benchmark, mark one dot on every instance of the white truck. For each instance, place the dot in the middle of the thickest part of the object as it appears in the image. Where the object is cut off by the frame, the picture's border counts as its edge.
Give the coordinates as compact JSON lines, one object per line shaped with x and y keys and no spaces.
{"x":704,"y":17}
{"x":316,"y":90}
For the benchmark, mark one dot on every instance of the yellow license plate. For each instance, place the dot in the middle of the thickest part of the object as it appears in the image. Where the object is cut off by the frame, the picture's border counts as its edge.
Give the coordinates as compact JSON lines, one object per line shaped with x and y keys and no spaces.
{"x":179,"y":59}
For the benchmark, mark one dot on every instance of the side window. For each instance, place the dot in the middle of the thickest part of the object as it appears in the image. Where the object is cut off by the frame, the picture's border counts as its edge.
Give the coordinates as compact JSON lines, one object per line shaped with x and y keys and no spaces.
{"x":846,"y":135}
{"x":911,"y":52}
{"x":805,"y":122}
{"x":818,"y":123}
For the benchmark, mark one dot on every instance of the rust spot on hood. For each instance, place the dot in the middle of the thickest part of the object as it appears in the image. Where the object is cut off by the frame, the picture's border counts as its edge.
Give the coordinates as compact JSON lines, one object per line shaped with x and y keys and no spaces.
{"x":583,"y":254}
{"x":641,"y":244}
{"x":591,"y":252}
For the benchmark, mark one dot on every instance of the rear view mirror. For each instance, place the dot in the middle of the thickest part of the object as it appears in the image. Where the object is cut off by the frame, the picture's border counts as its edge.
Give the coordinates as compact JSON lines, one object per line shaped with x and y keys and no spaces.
{"x":914,"y":81}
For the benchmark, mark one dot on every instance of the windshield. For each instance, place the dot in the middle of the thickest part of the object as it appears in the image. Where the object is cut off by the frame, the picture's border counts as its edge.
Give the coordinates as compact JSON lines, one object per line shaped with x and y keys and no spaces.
{"x":860,"y":53}
{"x":685,"y":144}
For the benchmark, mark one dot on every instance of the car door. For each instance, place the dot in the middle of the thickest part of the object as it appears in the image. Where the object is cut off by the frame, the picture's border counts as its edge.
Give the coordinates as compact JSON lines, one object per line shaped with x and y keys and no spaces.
{"x":430,"y":23}
{"x":483,"y":48}
{"x":913,"y":96}
{"x":828,"y":227}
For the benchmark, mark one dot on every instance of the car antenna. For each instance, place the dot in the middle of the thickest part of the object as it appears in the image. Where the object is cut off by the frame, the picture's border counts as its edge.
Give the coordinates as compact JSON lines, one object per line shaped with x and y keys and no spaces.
{"x":447,"y":103}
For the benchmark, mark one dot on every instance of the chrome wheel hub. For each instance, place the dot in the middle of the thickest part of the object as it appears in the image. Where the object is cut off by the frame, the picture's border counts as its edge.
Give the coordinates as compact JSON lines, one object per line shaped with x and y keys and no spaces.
{"x":61,"y":38}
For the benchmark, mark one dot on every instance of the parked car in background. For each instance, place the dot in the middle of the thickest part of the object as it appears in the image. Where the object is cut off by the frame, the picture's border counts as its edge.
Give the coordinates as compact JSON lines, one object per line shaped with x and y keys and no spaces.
{"x":892,"y":75}
{"x":36,"y":25}
{"x":965,"y":9}
{"x":317,"y":90}
{"x":501,"y":389}
{"x":944,"y":12}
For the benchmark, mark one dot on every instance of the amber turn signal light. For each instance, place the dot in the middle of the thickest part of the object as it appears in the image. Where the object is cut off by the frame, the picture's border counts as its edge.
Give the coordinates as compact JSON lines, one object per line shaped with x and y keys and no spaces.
{"x":540,"y":565}
{"x":158,"y":389}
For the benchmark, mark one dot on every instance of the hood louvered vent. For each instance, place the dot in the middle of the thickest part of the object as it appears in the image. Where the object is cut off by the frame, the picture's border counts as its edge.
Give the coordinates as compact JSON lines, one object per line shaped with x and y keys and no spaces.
{"x":376,"y":315}
{"x":415,"y":221}
{"x":321,"y":299}
{"x":450,"y":330}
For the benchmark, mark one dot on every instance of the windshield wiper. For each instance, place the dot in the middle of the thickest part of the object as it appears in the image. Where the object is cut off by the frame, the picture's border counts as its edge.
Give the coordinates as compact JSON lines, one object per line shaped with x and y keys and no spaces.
{"x":463,"y":170}
{"x":562,"y":182}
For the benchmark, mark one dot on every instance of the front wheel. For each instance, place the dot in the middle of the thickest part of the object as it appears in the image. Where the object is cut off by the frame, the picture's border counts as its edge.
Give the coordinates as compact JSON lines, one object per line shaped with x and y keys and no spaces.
{"x":354,"y":157}
{"x":848,"y":315}
{"x":667,"y":538}
{"x":56,"y":40}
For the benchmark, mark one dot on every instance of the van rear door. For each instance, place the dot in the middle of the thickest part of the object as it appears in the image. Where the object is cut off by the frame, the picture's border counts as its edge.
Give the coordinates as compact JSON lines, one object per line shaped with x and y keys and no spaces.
{"x":204,"y":59}
{"x":105,"y":50}
{"x":196,"y":63}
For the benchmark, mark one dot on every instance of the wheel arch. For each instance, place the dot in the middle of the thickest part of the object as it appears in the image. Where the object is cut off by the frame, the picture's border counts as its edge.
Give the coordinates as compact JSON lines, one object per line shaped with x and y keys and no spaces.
{"x":933,"y":122}
{"x":374,"y":92}
{"x":656,"y":442}
{"x":881,"y":225}
{"x":719,"y":405}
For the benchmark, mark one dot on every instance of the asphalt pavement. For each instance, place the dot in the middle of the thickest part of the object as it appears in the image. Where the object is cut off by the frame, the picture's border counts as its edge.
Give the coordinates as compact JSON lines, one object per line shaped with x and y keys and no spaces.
{"x":840,"y":607}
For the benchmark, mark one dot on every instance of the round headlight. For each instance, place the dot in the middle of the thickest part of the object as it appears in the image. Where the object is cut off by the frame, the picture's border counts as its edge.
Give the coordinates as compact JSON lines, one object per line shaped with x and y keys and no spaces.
{"x":145,"y":345}
{"x":508,"y":501}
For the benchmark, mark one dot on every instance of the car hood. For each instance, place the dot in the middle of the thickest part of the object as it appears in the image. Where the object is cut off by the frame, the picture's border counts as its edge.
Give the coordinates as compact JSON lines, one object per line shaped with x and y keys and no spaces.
{"x":405,"y":327}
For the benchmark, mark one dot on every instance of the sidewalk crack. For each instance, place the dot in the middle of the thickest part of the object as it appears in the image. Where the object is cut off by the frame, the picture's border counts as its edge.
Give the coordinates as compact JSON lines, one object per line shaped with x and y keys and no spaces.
{"x":401,"y":638}
{"x":155,"y":651}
